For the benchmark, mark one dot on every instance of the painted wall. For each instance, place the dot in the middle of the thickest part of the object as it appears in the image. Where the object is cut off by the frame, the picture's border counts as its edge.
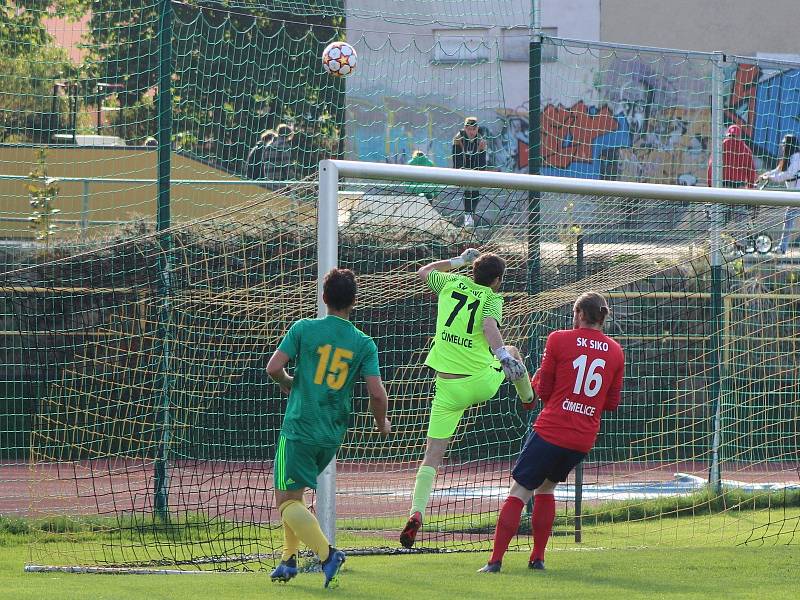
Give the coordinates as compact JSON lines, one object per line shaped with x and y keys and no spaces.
{"x":606,"y":114}
{"x":644,"y":129}
{"x":775,"y":110}
{"x":400,"y":99}
{"x":645,"y":117}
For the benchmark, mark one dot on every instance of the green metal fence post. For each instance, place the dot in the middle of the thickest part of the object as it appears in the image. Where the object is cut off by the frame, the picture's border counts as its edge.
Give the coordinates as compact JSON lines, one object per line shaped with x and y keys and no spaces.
{"x":715,"y":238}
{"x":580,"y":273}
{"x":161,"y":483}
{"x":534,"y":166}
{"x":534,"y":197}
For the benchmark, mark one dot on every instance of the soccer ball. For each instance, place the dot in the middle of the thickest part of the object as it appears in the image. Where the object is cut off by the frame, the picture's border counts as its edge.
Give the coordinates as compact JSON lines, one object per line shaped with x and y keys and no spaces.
{"x":339,"y":59}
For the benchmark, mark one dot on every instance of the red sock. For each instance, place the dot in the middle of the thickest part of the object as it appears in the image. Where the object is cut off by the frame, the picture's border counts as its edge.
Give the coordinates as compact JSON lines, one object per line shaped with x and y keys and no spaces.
{"x":544,"y":513}
{"x":507,"y":526}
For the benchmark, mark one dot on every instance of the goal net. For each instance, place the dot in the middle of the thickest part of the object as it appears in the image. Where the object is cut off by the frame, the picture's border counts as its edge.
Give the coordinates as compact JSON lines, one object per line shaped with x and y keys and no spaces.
{"x":155,"y":424}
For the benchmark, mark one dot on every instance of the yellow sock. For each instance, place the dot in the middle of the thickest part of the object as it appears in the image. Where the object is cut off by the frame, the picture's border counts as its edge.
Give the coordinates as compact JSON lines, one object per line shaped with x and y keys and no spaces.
{"x":291,"y":543}
{"x":524,"y":389}
{"x":305,"y":526}
{"x":426,"y":477}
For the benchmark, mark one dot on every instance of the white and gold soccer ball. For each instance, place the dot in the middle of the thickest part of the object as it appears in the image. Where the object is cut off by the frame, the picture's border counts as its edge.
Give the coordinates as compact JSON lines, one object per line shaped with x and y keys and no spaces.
{"x":339,"y":59}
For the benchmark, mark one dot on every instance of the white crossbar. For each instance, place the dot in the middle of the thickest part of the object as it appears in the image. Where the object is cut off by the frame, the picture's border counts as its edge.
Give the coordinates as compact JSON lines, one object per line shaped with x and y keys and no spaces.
{"x":336,"y":169}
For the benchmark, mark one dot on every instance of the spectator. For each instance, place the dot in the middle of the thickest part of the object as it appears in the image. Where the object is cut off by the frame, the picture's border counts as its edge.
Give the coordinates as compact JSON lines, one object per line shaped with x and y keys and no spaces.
{"x":429,"y":190}
{"x":469,"y":152}
{"x":738,"y":168}
{"x":788,"y":173}
{"x":420,"y":159}
{"x":278,"y":155}
{"x":254,"y":165}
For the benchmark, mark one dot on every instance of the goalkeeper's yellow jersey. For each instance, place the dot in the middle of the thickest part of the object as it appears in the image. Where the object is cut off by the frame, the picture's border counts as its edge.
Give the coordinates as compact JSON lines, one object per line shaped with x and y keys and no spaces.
{"x":460,"y":347}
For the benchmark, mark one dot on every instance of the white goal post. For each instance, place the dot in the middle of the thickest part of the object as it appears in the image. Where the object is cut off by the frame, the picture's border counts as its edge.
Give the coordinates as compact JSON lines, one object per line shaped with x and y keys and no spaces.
{"x":331,"y":172}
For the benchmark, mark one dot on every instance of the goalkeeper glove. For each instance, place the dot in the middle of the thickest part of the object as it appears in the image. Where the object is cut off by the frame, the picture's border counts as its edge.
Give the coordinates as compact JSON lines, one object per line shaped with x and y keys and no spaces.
{"x":512,"y":368}
{"x":466,"y":258}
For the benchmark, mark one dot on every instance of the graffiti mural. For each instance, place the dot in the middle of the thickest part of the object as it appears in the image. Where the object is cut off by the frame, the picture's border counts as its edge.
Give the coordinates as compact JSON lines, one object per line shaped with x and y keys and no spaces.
{"x":391,"y":129}
{"x":569,"y":134}
{"x":582,"y":140}
{"x":741,"y":103}
{"x":595,"y":142}
{"x":672,"y":149}
{"x":650,"y":121}
{"x":508,"y":149}
{"x":777,"y":110}
{"x":664,"y":100}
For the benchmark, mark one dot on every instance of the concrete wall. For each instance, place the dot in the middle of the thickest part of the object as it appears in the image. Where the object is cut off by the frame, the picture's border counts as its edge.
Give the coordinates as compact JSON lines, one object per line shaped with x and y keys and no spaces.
{"x":575,"y":19}
{"x":742,"y":27}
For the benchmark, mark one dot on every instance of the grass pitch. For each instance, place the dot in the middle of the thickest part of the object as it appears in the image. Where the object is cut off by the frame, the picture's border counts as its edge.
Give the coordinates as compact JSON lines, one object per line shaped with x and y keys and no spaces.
{"x":742,"y":572}
{"x":680,"y":567}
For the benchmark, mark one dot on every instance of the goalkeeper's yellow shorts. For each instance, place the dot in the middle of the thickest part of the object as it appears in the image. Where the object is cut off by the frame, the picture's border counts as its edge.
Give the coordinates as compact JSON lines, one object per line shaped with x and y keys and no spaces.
{"x":454,"y":396}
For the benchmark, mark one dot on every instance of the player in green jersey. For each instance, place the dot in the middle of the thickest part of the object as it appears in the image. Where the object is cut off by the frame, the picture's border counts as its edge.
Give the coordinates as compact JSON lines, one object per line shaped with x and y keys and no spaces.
{"x":469,"y":358}
{"x":329,"y":354}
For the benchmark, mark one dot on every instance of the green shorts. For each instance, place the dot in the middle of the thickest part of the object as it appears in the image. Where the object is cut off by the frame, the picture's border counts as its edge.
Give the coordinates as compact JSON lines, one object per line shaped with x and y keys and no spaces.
{"x":297,"y":464}
{"x":454,"y":396}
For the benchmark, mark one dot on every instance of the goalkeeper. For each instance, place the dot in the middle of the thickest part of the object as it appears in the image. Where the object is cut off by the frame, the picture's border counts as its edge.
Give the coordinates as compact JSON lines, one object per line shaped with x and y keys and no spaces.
{"x":467,"y":335}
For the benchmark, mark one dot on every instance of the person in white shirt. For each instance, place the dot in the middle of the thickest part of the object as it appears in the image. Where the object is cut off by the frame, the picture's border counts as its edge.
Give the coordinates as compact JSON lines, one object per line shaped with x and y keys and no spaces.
{"x":788,"y":173}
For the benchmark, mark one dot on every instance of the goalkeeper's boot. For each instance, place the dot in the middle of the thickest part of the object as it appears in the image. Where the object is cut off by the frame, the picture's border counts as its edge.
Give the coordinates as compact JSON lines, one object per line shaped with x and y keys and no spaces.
{"x":491,"y":567}
{"x":286,"y":570}
{"x":536,"y":564}
{"x":331,"y":566}
{"x":409,"y":533}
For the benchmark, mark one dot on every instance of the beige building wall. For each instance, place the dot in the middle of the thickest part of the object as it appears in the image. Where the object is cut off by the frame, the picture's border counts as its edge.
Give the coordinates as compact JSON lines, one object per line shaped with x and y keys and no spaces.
{"x":738,"y":27}
{"x":104,"y":204}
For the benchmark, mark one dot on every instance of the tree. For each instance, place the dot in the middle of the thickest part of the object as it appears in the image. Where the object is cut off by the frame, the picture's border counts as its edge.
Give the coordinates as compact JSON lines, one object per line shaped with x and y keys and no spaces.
{"x":30,"y":63}
{"x":238,"y":68}
{"x":42,"y":191}
{"x":29,"y":112}
{"x":22,"y":30}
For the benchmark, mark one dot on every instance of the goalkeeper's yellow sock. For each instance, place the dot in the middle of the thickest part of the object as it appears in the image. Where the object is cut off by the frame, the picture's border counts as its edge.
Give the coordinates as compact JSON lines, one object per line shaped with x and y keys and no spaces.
{"x":524,"y":389}
{"x":426,"y":476}
{"x":305,"y":527}
{"x":291,"y":543}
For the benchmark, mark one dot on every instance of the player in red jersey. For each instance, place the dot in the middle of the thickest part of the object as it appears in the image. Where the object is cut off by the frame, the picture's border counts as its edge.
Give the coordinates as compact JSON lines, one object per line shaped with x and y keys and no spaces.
{"x":579,"y":378}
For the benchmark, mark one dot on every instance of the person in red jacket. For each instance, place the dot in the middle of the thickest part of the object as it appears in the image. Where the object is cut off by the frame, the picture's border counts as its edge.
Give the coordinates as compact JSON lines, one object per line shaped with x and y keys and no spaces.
{"x":580,"y":377}
{"x":738,"y":166}
{"x":738,"y":169}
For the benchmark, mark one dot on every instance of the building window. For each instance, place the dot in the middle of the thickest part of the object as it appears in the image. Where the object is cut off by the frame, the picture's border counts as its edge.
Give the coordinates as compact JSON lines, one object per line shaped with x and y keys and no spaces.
{"x":460,"y":46}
